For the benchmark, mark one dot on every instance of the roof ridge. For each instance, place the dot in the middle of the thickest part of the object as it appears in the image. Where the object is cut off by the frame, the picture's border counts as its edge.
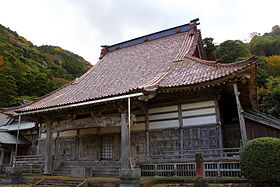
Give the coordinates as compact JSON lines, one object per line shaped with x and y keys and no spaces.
{"x":152,"y":36}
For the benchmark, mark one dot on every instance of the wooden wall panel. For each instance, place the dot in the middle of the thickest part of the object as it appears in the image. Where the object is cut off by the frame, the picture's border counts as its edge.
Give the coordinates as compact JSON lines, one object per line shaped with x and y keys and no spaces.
{"x":138,"y":127}
{"x":88,"y":148}
{"x":164,"y":116}
{"x":198,"y":105}
{"x":164,"y":124}
{"x":163,"y":109}
{"x":68,"y":133}
{"x":110,"y":130}
{"x":196,"y":112}
{"x":199,"y":120}
{"x":88,"y":131}
{"x":256,"y":130}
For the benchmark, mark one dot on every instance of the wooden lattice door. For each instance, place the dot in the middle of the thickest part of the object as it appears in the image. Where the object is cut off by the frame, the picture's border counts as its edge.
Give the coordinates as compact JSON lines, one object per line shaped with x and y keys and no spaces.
{"x":107,"y":148}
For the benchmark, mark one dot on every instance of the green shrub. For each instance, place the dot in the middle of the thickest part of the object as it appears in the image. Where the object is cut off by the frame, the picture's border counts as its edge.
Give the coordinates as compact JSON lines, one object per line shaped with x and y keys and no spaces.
{"x":260,"y":160}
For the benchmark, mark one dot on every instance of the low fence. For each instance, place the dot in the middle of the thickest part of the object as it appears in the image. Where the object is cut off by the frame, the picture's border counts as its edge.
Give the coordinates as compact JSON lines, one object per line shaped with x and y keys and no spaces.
{"x":216,"y":163}
{"x":211,"y":169}
{"x":30,"y":163}
{"x":168,"y":169}
{"x":187,"y":155}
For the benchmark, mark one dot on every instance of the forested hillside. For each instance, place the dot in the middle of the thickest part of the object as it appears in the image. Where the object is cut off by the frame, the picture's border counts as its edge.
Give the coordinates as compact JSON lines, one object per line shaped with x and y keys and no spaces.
{"x":28,"y":71}
{"x":267,"y":48}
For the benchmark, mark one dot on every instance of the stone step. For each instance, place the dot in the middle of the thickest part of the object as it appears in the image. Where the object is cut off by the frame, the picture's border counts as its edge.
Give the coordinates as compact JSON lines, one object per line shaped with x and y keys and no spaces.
{"x":101,"y":169}
{"x":59,"y":182}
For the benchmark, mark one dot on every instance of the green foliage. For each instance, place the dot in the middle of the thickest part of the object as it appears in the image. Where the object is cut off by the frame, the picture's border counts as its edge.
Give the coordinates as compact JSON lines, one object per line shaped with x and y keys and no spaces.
{"x":273,"y":65}
{"x":210,"y":48}
{"x":29,"y":71}
{"x":70,"y":62}
{"x":270,"y":97}
{"x":260,"y":160}
{"x":8,"y":90}
{"x":232,"y":51}
{"x":268,"y":82}
{"x":266,"y":45}
{"x":262,"y":73}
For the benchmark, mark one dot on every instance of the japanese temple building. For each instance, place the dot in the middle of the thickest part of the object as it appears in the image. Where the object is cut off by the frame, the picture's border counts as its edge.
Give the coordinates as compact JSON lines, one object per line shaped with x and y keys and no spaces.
{"x":150,"y":103}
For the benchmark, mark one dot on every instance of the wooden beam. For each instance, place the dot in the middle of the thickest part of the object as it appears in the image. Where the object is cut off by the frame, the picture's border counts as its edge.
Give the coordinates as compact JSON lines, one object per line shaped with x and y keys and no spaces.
{"x":240,"y":115}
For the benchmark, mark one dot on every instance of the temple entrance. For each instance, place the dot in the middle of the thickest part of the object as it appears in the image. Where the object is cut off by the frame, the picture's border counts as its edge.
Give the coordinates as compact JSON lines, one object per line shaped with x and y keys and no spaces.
{"x":107,"y":148}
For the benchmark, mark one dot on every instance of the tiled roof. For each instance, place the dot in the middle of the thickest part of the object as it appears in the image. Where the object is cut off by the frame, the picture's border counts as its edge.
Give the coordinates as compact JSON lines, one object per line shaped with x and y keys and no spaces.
{"x":163,"y":62}
{"x":8,"y":138}
{"x":24,"y":125}
{"x":4,"y":119}
{"x":193,"y":70}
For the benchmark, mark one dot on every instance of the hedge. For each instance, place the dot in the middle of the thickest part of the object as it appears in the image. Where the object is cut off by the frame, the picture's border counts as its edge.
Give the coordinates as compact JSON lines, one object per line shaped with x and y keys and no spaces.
{"x":260,"y":160}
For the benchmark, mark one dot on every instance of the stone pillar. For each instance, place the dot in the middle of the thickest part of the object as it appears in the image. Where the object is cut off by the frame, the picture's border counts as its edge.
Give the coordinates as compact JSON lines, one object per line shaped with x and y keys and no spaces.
{"x":129,"y":176}
{"x":48,"y":150}
{"x":124,"y":142}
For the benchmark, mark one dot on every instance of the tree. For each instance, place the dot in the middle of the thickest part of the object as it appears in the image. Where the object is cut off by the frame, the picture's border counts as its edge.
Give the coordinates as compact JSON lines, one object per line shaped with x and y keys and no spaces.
{"x":273,"y":65}
{"x":270,"y":97}
{"x":210,"y":48}
{"x":8,"y":90}
{"x":266,"y":45}
{"x":232,"y":50}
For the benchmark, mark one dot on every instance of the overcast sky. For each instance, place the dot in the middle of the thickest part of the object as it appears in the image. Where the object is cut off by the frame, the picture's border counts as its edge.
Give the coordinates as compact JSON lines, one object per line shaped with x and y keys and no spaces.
{"x":82,"y":26}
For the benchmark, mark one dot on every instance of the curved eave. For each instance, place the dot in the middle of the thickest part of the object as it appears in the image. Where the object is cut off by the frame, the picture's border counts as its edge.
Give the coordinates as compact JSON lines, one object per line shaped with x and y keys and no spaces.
{"x":74,"y":105}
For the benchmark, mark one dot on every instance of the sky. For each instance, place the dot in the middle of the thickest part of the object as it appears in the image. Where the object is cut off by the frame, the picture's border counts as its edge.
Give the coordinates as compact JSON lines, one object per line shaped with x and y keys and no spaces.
{"x":82,"y":26}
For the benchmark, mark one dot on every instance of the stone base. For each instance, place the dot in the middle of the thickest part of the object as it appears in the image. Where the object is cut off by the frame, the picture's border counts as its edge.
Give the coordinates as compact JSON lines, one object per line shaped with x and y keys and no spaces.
{"x":200,"y":182}
{"x":130,"y":177}
{"x":130,"y":183}
{"x":13,"y":176}
{"x":81,"y":172}
{"x":130,"y":174}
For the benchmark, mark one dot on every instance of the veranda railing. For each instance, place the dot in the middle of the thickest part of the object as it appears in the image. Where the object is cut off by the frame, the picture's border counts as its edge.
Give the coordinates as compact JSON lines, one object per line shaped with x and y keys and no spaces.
{"x":187,"y":155}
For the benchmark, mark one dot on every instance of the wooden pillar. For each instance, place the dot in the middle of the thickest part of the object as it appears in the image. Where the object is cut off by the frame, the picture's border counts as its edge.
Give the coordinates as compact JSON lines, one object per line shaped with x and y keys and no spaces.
{"x":218,"y":120}
{"x":77,"y":139}
{"x":124,"y":142}
{"x":1,"y":156}
{"x":48,"y":150}
{"x":147,"y":148}
{"x":240,"y":115}
{"x":181,"y":129}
